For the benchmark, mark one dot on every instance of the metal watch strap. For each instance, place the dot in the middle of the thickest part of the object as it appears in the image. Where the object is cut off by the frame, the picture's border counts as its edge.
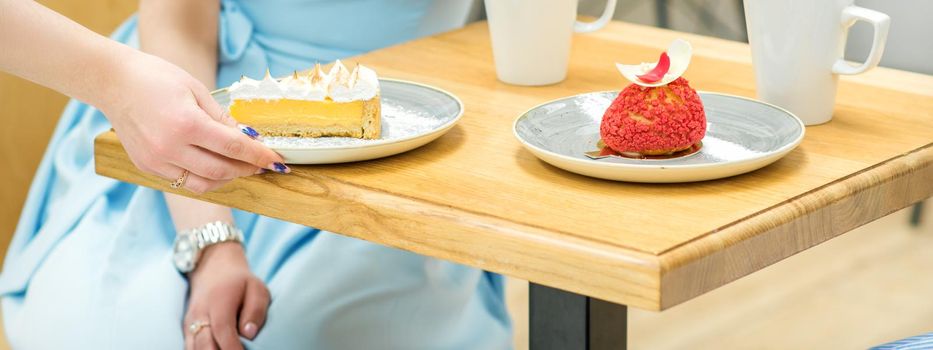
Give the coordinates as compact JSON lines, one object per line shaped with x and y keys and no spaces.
{"x":190,"y":243}
{"x":216,"y":232}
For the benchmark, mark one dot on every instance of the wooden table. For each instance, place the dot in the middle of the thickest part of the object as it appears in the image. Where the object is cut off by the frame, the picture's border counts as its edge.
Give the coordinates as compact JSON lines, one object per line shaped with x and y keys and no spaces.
{"x":476,"y":197}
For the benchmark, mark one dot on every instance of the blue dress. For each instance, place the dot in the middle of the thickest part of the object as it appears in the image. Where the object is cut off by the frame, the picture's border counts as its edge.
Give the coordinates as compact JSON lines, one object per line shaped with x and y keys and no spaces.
{"x":90,"y":263}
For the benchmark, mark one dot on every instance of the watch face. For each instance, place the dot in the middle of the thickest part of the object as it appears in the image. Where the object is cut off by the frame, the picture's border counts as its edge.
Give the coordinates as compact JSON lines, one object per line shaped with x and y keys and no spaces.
{"x":185,"y":253}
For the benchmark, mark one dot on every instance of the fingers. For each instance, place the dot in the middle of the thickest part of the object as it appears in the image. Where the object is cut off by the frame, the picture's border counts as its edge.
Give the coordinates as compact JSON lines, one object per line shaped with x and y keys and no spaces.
{"x":200,"y":185}
{"x":210,"y":166}
{"x":204,"y":340}
{"x":210,"y":105}
{"x":227,"y":119}
{"x":193,"y":182}
{"x":223,"y":321}
{"x":234,"y":144}
{"x":255,"y":306}
{"x":189,"y":338}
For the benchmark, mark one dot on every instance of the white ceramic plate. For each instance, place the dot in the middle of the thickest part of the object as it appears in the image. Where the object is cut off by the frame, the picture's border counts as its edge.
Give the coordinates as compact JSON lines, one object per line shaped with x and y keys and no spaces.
{"x":412,"y":115}
{"x":742,"y":135}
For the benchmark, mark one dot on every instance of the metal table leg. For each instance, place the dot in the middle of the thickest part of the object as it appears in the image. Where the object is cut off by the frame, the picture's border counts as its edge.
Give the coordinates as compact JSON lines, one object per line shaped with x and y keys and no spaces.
{"x":916,"y":214}
{"x":562,"y":320}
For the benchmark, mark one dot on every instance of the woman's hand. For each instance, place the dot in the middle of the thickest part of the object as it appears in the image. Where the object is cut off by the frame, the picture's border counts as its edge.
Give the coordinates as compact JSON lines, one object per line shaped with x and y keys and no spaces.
{"x":168,"y":122}
{"x":226,"y":295}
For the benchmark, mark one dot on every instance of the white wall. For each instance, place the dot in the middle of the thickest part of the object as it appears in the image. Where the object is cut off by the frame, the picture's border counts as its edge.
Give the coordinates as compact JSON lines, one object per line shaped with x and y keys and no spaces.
{"x":910,"y":41}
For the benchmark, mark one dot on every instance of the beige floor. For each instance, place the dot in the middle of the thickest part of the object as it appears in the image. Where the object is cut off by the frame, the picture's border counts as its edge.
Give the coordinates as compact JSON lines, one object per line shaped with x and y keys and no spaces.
{"x":868,"y":286}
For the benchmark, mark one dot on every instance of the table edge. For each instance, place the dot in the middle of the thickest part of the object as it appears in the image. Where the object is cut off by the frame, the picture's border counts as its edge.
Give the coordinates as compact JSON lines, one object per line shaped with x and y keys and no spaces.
{"x":633,"y":282}
{"x":722,"y":256}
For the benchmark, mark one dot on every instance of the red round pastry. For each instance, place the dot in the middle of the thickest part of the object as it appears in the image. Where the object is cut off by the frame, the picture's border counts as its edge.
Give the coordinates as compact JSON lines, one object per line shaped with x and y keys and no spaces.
{"x":654,"y":120}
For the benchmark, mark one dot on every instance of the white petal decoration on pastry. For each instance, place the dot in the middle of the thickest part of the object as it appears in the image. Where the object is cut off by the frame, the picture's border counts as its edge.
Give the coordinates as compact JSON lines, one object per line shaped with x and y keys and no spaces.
{"x":679,"y":53}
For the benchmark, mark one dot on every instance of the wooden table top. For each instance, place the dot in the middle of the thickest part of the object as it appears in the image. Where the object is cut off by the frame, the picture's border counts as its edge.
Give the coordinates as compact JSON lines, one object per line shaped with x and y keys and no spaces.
{"x":476,"y":197}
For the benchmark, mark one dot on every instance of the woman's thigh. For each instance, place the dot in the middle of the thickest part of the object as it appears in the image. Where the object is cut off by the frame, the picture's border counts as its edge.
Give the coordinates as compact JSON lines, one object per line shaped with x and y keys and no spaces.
{"x":108,"y":287}
{"x":99,"y":288}
{"x":343,"y":293}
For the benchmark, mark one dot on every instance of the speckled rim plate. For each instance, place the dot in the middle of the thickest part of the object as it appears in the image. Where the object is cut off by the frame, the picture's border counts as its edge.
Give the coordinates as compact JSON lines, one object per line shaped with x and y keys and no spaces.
{"x":743,"y":134}
{"x":443,"y":109}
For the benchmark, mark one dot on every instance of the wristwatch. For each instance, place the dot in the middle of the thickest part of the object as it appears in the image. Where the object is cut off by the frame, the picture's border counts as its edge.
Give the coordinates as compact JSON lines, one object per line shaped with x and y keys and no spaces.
{"x":190,"y":243}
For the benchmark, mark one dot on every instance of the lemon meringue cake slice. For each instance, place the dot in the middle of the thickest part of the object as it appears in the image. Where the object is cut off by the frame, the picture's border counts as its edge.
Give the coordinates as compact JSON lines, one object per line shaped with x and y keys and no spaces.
{"x":339,"y":103}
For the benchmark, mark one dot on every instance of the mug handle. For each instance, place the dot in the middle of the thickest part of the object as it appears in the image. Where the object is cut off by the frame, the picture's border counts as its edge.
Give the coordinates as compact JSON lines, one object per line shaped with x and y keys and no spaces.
{"x":881,"y":22}
{"x":586,"y":27}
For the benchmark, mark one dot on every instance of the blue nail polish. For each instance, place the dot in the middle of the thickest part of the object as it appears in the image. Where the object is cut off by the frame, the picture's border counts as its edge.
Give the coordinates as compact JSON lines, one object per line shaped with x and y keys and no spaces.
{"x":281,"y":168}
{"x":252,"y":133}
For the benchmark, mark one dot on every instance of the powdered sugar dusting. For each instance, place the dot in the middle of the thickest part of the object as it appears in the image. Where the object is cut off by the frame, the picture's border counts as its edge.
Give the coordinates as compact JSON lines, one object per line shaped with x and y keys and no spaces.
{"x":398,"y":122}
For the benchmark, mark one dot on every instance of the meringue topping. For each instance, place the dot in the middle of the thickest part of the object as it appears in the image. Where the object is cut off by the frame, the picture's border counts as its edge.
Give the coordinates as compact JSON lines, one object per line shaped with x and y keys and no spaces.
{"x":339,"y":85}
{"x":295,"y":87}
{"x":317,"y":76}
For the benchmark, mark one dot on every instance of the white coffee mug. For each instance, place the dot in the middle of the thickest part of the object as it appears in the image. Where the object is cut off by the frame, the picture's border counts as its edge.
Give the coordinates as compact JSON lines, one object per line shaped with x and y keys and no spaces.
{"x":531,"y":38}
{"x":797,"y":50}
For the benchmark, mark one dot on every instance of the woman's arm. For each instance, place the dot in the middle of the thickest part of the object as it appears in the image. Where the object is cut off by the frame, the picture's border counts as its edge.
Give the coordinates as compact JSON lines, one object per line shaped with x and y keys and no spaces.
{"x":182,"y":32}
{"x":166,"y":120}
{"x":222,"y":291}
{"x":45,"y":47}
{"x":185,"y":33}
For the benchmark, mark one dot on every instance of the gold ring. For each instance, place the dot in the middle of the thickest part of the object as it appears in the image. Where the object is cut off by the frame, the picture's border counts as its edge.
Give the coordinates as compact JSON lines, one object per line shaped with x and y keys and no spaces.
{"x":180,"y":181}
{"x":197,"y":326}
